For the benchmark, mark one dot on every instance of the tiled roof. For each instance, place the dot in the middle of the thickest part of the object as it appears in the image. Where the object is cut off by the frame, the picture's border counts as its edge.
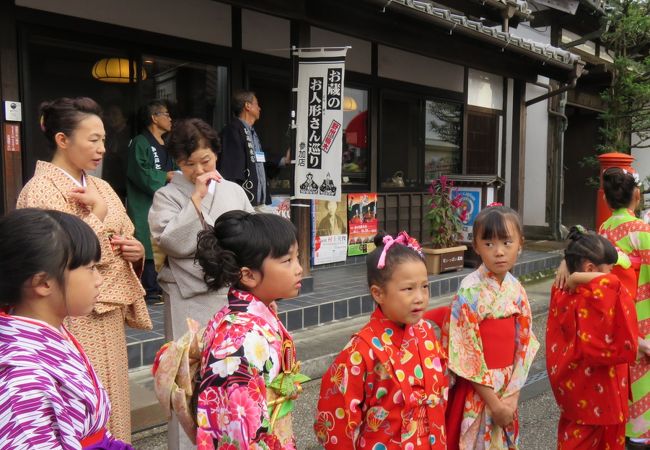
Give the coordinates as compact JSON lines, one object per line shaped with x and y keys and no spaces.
{"x":500,"y":38}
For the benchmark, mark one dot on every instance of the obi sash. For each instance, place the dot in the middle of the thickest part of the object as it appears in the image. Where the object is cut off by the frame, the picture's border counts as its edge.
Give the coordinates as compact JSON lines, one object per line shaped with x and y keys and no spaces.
{"x":498,"y":340}
{"x":101,"y":441}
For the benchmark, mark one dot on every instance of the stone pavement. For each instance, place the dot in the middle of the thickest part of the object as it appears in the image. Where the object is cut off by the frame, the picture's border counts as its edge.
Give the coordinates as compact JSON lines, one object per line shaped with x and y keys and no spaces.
{"x":538,"y":411}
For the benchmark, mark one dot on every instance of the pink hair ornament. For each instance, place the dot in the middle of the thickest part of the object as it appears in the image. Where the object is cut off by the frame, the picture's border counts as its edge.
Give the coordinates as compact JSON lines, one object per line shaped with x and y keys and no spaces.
{"x":402,"y":239}
{"x":494,"y":204}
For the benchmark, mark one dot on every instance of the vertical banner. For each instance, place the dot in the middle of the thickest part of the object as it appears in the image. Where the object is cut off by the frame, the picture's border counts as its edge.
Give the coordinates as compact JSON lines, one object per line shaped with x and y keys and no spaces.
{"x":318,"y":123}
{"x":362,"y":223}
{"x":330,"y":227}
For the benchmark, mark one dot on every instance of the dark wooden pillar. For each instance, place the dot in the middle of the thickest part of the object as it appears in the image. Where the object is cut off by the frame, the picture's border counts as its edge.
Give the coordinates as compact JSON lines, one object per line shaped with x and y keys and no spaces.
{"x":237,"y":64}
{"x":11,"y":161}
{"x":300,"y":209}
{"x":517,"y":173}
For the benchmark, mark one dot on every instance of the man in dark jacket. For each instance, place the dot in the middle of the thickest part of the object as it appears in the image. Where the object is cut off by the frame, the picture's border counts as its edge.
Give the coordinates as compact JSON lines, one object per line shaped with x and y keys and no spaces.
{"x":242,"y":157}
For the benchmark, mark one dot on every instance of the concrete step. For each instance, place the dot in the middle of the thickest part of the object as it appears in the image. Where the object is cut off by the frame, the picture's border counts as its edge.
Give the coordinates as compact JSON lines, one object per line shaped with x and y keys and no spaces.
{"x":316,"y":348}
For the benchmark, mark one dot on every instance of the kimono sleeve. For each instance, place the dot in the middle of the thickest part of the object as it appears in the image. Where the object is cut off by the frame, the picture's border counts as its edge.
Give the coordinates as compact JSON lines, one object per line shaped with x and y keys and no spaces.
{"x":174,"y":226}
{"x":526,"y":344}
{"x":140,"y":171}
{"x":231,"y":404}
{"x":606,"y":322}
{"x":31,"y":399}
{"x":342,"y":395}
{"x":465,"y":346}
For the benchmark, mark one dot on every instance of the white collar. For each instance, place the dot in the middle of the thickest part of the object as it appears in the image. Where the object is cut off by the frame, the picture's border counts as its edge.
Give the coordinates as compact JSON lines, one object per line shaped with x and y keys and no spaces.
{"x":83,"y":177}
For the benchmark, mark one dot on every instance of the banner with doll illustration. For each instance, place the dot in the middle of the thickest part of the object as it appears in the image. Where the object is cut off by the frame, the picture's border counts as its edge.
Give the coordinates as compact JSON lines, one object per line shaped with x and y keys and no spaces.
{"x":362,"y":223}
{"x":329,"y":231}
{"x":470,"y":198}
{"x":319,"y":122}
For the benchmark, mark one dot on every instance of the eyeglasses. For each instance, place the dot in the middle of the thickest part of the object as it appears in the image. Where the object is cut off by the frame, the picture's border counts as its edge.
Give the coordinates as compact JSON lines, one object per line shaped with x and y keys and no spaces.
{"x":162,"y":113}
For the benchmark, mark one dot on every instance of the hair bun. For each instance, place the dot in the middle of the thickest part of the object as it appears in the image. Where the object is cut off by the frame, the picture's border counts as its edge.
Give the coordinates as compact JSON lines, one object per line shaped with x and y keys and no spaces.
{"x":379,"y":238}
{"x":577,"y":232}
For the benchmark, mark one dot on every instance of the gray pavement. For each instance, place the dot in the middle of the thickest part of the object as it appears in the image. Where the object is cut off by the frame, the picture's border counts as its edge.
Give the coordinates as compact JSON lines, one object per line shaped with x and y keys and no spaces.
{"x":316,"y":347}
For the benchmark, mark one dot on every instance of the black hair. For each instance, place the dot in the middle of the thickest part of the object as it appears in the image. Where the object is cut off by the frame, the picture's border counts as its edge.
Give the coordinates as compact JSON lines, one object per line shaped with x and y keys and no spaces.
{"x":64,"y":114}
{"x":588,"y":246}
{"x":241,"y":239}
{"x":146,"y":111}
{"x":33,"y":241}
{"x":493,"y":221}
{"x":396,"y":255}
{"x":239,"y":99}
{"x":619,"y":187}
{"x":188,"y":135}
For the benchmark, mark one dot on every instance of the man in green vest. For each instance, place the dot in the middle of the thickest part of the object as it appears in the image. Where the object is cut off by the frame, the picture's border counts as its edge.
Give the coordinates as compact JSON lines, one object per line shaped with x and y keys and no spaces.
{"x":149,"y":167}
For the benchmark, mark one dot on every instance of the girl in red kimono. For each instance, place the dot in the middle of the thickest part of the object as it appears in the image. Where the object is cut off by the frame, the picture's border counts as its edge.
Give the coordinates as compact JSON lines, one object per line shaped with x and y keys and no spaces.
{"x":591,"y":337}
{"x":248,"y":376}
{"x":490,"y":340}
{"x":387,"y":389}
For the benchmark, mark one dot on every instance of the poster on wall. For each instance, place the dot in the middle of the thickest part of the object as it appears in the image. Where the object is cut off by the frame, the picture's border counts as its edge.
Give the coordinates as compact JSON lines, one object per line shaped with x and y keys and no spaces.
{"x":362,"y":223}
{"x":471,"y":202}
{"x":281,"y":205}
{"x":329,"y":229}
{"x":319,"y":121}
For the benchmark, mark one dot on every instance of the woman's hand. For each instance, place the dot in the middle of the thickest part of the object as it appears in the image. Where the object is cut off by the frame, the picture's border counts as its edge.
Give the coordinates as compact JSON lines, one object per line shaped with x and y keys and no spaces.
{"x":90,"y":198}
{"x":129,"y":249}
{"x":561,"y":276}
{"x":201,"y":184}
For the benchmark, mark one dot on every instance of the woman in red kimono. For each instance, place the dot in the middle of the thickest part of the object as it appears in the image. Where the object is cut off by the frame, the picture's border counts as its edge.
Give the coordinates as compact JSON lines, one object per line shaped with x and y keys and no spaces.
{"x":388,"y":388}
{"x":591,"y":337}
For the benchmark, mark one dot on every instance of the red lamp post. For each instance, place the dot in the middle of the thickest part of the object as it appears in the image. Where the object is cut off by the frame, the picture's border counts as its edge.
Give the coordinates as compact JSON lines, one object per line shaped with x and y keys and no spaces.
{"x":607,"y":160}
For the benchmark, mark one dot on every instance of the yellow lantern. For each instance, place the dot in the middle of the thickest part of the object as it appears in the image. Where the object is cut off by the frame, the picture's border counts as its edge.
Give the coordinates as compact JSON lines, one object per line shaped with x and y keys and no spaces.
{"x":349,"y":104}
{"x":115,"y":70}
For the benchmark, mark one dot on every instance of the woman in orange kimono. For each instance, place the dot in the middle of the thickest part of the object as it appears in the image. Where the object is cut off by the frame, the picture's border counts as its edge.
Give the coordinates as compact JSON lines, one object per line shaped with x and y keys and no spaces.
{"x":387,"y":389}
{"x":75,"y":133}
{"x":591,"y":338}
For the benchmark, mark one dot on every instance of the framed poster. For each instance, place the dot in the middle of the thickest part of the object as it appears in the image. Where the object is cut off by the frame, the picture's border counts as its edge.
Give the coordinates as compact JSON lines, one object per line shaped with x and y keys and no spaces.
{"x":362,"y":223}
{"x":471,"y":202}
{"x":329,"y":231}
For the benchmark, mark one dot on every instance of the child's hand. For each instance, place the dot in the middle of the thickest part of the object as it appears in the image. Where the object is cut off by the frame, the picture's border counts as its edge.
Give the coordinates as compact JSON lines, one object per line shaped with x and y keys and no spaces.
{"x":503,"y":415}
{"x":644,"y":348}
{"x":511,"y":401}
{"x":561,"y":276}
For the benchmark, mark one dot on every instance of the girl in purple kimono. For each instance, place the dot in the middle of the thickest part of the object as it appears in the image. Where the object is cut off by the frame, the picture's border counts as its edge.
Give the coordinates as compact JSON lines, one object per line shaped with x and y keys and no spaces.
{"x":50,"y":396}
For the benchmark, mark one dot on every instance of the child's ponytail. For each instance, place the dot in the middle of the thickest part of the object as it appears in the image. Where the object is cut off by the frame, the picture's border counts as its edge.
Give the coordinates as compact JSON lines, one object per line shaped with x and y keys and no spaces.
{"x":241,"y":239}
{"x":586,"y":245}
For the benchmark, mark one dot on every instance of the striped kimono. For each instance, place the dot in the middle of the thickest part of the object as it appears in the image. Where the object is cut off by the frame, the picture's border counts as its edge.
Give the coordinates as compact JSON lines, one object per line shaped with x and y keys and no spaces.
{"x":632,"y":236}
{"x":50,"y":396}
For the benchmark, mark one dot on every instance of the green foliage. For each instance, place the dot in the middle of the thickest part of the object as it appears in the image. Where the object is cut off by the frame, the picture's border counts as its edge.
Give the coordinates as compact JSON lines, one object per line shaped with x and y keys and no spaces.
{"x":446,"y":213}
{"x":628,"y":98}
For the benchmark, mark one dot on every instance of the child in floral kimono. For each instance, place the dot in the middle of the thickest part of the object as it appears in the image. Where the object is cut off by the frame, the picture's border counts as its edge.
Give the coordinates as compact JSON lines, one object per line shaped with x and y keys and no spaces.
{"x":249,"y":376}
{"x":591,"y":337}
{"x":490,"y":340}
{"x":387,"y":389}
{"x":50,"y":395}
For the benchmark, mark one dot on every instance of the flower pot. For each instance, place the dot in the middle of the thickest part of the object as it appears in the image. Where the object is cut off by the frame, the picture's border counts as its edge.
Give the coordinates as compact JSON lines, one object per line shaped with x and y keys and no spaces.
{"x":439,"y":260}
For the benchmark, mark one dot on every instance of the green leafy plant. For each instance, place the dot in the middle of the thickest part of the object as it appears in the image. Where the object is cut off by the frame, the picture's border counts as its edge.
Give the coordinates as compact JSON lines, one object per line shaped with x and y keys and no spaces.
{"x":446,"y":213}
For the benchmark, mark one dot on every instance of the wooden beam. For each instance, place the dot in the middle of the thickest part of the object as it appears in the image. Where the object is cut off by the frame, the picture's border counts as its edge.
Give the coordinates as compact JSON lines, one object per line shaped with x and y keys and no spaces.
{"x":517,"y":173}
{"x":11,"y":162}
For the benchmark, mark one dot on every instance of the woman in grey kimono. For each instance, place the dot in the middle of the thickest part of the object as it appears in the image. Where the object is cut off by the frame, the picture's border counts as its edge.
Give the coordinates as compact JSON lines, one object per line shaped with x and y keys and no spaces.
{"x":175,"y":221}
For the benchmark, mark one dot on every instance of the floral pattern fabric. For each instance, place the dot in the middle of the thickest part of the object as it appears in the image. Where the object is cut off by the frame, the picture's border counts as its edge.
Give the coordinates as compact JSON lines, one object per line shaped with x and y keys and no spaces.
{"x":632,"y":236}
{"x":479,"y":297}
{"x":591,"y":337}
{"x":242,"y":357}
{"x":387,"y":389}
